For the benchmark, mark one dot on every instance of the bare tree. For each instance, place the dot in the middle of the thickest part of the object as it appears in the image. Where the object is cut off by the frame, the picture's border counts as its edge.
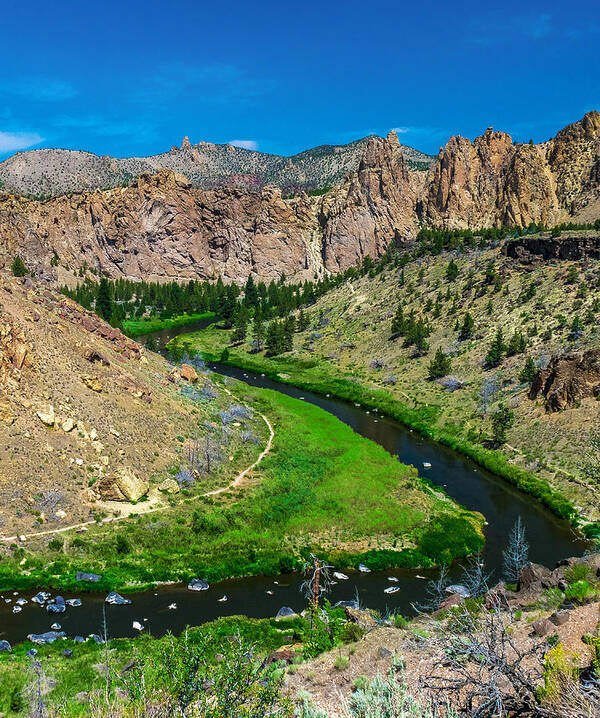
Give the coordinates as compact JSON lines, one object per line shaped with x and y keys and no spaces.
{"x":483,"y":672}
{"x":316,"y":584}
{"x":474,"y":576}
{"x":516,"y":555}
{"x":435,"y":592}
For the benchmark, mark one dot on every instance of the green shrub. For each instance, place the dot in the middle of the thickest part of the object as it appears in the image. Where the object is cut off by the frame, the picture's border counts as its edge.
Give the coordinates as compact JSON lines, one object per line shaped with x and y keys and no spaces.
{"x":581,"y":591}
{"x":341,"y":663}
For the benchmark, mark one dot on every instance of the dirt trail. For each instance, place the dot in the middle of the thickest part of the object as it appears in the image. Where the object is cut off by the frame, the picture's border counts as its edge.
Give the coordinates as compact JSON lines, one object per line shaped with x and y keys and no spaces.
{"x":232,"y":485}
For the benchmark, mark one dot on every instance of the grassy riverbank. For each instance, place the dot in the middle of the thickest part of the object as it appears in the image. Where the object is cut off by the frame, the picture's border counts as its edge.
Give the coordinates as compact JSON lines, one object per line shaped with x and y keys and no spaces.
{"x":139,"y":327}
{"x":322,"y":488}
{"x":323,"y":378}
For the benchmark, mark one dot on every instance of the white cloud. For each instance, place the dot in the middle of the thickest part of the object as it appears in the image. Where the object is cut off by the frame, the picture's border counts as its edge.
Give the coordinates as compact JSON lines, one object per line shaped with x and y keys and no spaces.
{"x":13,"y":141}
{"x":245,"y":144}
{"x":401,"y":130}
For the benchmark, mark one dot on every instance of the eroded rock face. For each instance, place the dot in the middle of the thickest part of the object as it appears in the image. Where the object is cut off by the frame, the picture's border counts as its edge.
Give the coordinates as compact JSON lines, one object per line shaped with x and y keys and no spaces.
{"x":568,"y":379}
{"x":492,"y":181}
{"x":123,"y":485}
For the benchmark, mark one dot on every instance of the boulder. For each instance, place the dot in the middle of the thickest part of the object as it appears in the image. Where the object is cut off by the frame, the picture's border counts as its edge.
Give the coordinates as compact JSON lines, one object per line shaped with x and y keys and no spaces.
{"x":198,"y":584}
{"x":57,"y":606}
{"x":46,"y":415}
{"x":169,"y":486}
{"x":92,"y":382}
{"x":543,"y":627}
{"x":5,"y":647}
{"x":45,"y":638}
{"x":122,"y":485}
{"x":534,"y":577}
{"x":188,"y":372}
{"x":67,"y":653}
{"x":83,"y":576}
{"x":460,"y":589}
{"x":560,"y":617}
{"x":285,"y":612}
{"x":68,"y":425}
{"x":363,"y":618}
{"x":455,"y":599}
{"x":283,"y":654}
{"x":115,"y":599}
{"x":497,"y":597}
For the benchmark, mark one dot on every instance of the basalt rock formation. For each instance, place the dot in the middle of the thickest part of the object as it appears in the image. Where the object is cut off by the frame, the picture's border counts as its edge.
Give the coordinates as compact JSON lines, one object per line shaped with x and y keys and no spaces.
{"x":537,"y":249}
{"x":164,"y":225}
{"x":568,"y":379}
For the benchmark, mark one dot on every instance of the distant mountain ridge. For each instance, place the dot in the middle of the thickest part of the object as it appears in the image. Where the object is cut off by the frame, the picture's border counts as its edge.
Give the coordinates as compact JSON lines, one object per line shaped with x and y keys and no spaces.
{"x":160,"y":225}
{"x":52,"y":172}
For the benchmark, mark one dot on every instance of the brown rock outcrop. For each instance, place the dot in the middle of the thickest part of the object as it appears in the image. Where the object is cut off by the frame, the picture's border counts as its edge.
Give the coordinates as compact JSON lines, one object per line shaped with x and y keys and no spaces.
{"x":123,"y":485}
{"x":568,"y":379}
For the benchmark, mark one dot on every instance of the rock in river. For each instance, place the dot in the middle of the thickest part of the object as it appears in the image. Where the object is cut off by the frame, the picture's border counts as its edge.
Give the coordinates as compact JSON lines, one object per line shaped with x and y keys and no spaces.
{"x":115,"y":599}
{"x":5,"y":647}
{"x":57,"y":606}
{"x":285,"y":612}
{"x":198,"y":584}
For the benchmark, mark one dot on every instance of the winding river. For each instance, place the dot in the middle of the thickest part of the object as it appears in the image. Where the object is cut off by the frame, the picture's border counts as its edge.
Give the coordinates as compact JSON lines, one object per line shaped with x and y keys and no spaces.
{"x":550,"y":540}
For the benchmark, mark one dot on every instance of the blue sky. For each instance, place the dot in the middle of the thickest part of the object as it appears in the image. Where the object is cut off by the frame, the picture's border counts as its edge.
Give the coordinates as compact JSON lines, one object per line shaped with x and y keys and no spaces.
{"x":132,"y":78}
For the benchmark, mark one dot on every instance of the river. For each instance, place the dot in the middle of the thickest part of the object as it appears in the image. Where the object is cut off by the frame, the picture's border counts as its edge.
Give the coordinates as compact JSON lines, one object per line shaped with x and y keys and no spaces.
{"x":550,"y":539}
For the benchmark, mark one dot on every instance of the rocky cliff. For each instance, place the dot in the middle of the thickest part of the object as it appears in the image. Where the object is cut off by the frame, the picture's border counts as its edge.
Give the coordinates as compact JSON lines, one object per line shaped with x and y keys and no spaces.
{"x":163,"y":226}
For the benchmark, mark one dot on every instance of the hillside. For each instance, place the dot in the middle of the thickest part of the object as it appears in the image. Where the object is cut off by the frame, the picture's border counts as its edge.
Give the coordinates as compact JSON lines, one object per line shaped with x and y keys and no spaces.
{"x":85,"y":415}
{"x":546,"y":310}
{"x":167,"y":224}
{"x":50,"y":172}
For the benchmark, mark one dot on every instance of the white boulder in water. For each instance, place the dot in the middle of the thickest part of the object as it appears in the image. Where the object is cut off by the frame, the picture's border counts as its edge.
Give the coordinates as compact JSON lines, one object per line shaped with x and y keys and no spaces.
{"x":222,"y":599}
{"x":391,"y":589}
{"x":363,"y":569}
{"x":340,"y":576}
{"x":172,"y":607}
{"x":198,"y":584}
{"x":426,"y":465}
{"x":138,"y":626}
{"x":393,"y":578}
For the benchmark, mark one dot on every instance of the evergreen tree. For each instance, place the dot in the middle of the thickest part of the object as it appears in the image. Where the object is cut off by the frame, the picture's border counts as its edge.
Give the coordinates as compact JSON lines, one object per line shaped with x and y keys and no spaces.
{"x":528,"y":372}
{"x":250,"y":293}
{"x":18,"y":267}
{"x":516,"y":345}
{"x":496,"y":351}
{"x":502,"y":420}
{"x":576,"y":329}
{"x":258,"y":329}
{"x":398,"y":321}
{"x":242,"y":318}
{"x":451,"y":271}
{"x":440,"y":365}
{"x":466,"y":330}
{"x":303,"y":321}
{"x":104,"y":300}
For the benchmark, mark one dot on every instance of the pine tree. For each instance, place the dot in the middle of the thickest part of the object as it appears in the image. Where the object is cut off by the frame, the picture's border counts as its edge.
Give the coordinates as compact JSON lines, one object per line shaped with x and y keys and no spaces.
{"x":528,"y":372}
{"x":18,"y":267}
{"x":440,"y":365}
{"x":104,"y":300}
{"x":303,"y":321}
{"x":258,"y":329}
{"x":242,"y":318}
{"x":466,"y":331}
{"x":576,"y":329}
{"x":496,"y":351}
{"x":451,"y":271}
{"x":398,"y":321}
{"x":250,"y":293}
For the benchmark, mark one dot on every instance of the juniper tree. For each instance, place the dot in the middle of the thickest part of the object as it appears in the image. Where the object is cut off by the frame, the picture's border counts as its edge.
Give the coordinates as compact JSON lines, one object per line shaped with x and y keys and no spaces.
{"x":451,"y":271}
{"x":502,"y":420}
{"x":18,"y":267}
{"x":440,"y":365}
{"x":528,"y":371}
{"x":496,"y":351}
{"x":466,"y":330}
{"x":516,"y":344}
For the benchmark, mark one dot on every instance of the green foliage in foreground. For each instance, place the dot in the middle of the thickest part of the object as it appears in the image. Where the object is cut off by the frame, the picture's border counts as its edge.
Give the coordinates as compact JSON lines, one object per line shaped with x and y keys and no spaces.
{"x":160,"y":663}
{"x":319,"y":378}
{"x":139,"y":327}
{"x":321,"y":481}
